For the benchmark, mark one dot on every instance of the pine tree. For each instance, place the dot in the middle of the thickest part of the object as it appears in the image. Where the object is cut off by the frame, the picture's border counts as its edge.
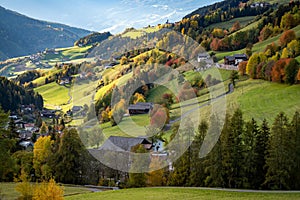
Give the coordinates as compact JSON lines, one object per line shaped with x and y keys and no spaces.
{"x":232,"y":152}
{"x":215,"y":162}
{"x":70,"y":158}
{"x":260,"y":150}
{"x":279,"y":161}
{"x":295,"y":130}
{"x":197,"y":174}
{"x":249,"y":154}
{"x":13,"y":134}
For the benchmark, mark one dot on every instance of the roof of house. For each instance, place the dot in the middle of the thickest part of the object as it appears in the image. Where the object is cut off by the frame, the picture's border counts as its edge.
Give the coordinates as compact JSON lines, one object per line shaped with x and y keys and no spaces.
{"x":240,"y":56}
{"x":230,"y":58}
{"x":203,"y":55}
{"x":141,"y":106}
{"x":116,"y":143}
{"x":76,"y":108}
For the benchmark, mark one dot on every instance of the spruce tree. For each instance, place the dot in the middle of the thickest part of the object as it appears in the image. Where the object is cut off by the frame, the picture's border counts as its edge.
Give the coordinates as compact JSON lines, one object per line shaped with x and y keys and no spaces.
{"x":279,"y":162}
{"x":197,"y":174}
{"x":233,"y":151}
{"x":260,"y":150}
{"x":295,"y":130}
{"x":215,"y":162}
{"x":249,"y":154}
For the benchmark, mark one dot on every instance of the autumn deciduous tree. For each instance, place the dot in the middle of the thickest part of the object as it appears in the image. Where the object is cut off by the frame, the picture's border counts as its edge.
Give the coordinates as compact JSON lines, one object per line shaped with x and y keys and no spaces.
{"x":117,"y":113}
{"x":218,"y":33}
{"x":242,"y":67}
{"x":41,"y":154}
{"x":287,"y":21}
{"x":278,"y":70}
{"x":159,"y":116}
{"x":294,"y":48}
{"x":156,"y":178}
{"x":138,"y":165}
{"x":49,"y":191}
{"x":214,"y":45}
{"x":138,"y":98}
{"x":287,"y":37}
{"x":236,"y":26}
{"x":254,"y":60}
{"x":265,"y":33}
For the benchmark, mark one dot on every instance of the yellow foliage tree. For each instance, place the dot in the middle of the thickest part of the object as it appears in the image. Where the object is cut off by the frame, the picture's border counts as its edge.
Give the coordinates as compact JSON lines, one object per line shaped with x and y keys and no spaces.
{"x":285,"y":53}
{"x":41,"y":153}
{"x":25,"y":188}
{"x":156,"y":178}
{"x":294,"y":48}
{"x":138,"y":98}
{"x":49,"y":191}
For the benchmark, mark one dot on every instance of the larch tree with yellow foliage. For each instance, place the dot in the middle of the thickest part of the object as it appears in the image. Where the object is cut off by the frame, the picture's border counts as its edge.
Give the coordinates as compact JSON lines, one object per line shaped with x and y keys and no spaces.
{"x":41,"y":154}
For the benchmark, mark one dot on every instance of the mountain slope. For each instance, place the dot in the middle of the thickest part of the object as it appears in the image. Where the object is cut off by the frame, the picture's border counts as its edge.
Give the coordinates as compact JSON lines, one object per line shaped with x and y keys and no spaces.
{"x":21,"y":35}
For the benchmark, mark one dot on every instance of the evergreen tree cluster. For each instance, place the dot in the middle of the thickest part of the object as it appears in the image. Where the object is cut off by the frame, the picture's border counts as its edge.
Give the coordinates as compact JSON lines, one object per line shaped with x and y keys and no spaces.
{"x":246,"y":156}
{"x":13,"y":96}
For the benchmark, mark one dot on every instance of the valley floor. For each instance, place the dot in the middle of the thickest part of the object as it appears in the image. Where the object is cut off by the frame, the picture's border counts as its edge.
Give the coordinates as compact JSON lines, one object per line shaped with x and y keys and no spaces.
{"x":186,"y":193}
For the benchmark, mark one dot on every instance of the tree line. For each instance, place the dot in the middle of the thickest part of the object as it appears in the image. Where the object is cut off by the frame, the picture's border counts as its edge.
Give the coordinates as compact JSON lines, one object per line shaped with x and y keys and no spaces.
{"x":246,"y":155}
{"x":12,"y":96}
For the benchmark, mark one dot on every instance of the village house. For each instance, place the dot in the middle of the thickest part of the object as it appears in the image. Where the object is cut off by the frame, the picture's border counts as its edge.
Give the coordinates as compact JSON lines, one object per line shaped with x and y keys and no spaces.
{"x":260,"y":4}
{"x":117,"y":143}
{"x":140,"y":108}
{"x":48,"y":113}
{"x":203,"y":57}
{"x":235,"y":60}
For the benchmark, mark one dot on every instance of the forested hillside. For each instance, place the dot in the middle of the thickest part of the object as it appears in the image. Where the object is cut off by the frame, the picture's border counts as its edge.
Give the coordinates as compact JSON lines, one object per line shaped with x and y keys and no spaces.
{"x":12,"y":96}
{"x":21,"y":35}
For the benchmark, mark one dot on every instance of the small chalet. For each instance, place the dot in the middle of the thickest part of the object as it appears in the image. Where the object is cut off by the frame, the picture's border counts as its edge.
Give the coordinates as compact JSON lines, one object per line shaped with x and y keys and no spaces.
{"x":30,"y":127}
{"x":20,"y":124}
{"x":203,"y":57}
{"x":76,"y":109}
{"x":48,"y":113}
{"x":116,"y":143}
{"x":140,"y":108}
{"x":235,"y":60}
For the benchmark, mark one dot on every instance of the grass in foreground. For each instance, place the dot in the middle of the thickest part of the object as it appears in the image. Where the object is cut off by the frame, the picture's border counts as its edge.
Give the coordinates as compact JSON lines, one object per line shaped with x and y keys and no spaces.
{"x":8,"y":192}
{"x":181,"y":193}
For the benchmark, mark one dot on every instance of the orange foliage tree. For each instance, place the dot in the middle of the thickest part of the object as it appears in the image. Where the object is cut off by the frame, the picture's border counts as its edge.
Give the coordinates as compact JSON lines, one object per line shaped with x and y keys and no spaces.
{"x":278,"y":70}
{"x":287,"y":37}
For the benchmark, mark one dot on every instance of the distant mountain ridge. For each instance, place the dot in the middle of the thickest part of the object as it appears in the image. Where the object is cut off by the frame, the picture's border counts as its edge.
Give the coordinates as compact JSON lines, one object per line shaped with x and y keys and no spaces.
{"x":21,"y":35}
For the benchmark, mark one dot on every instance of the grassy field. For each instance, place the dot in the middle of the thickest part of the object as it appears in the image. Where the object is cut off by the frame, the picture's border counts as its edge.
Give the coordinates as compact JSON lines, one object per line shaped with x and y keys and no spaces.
{"x":260,"y":99}
{"x":256,"y":98}
{"x":135,"y":125}
{"x":181,"y":193}
{"x":54,"y":95}
{"x":244,"y":21}
{"x":8,"y":192}
{"x":140,"y":32}
{"x":118,"y":82}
